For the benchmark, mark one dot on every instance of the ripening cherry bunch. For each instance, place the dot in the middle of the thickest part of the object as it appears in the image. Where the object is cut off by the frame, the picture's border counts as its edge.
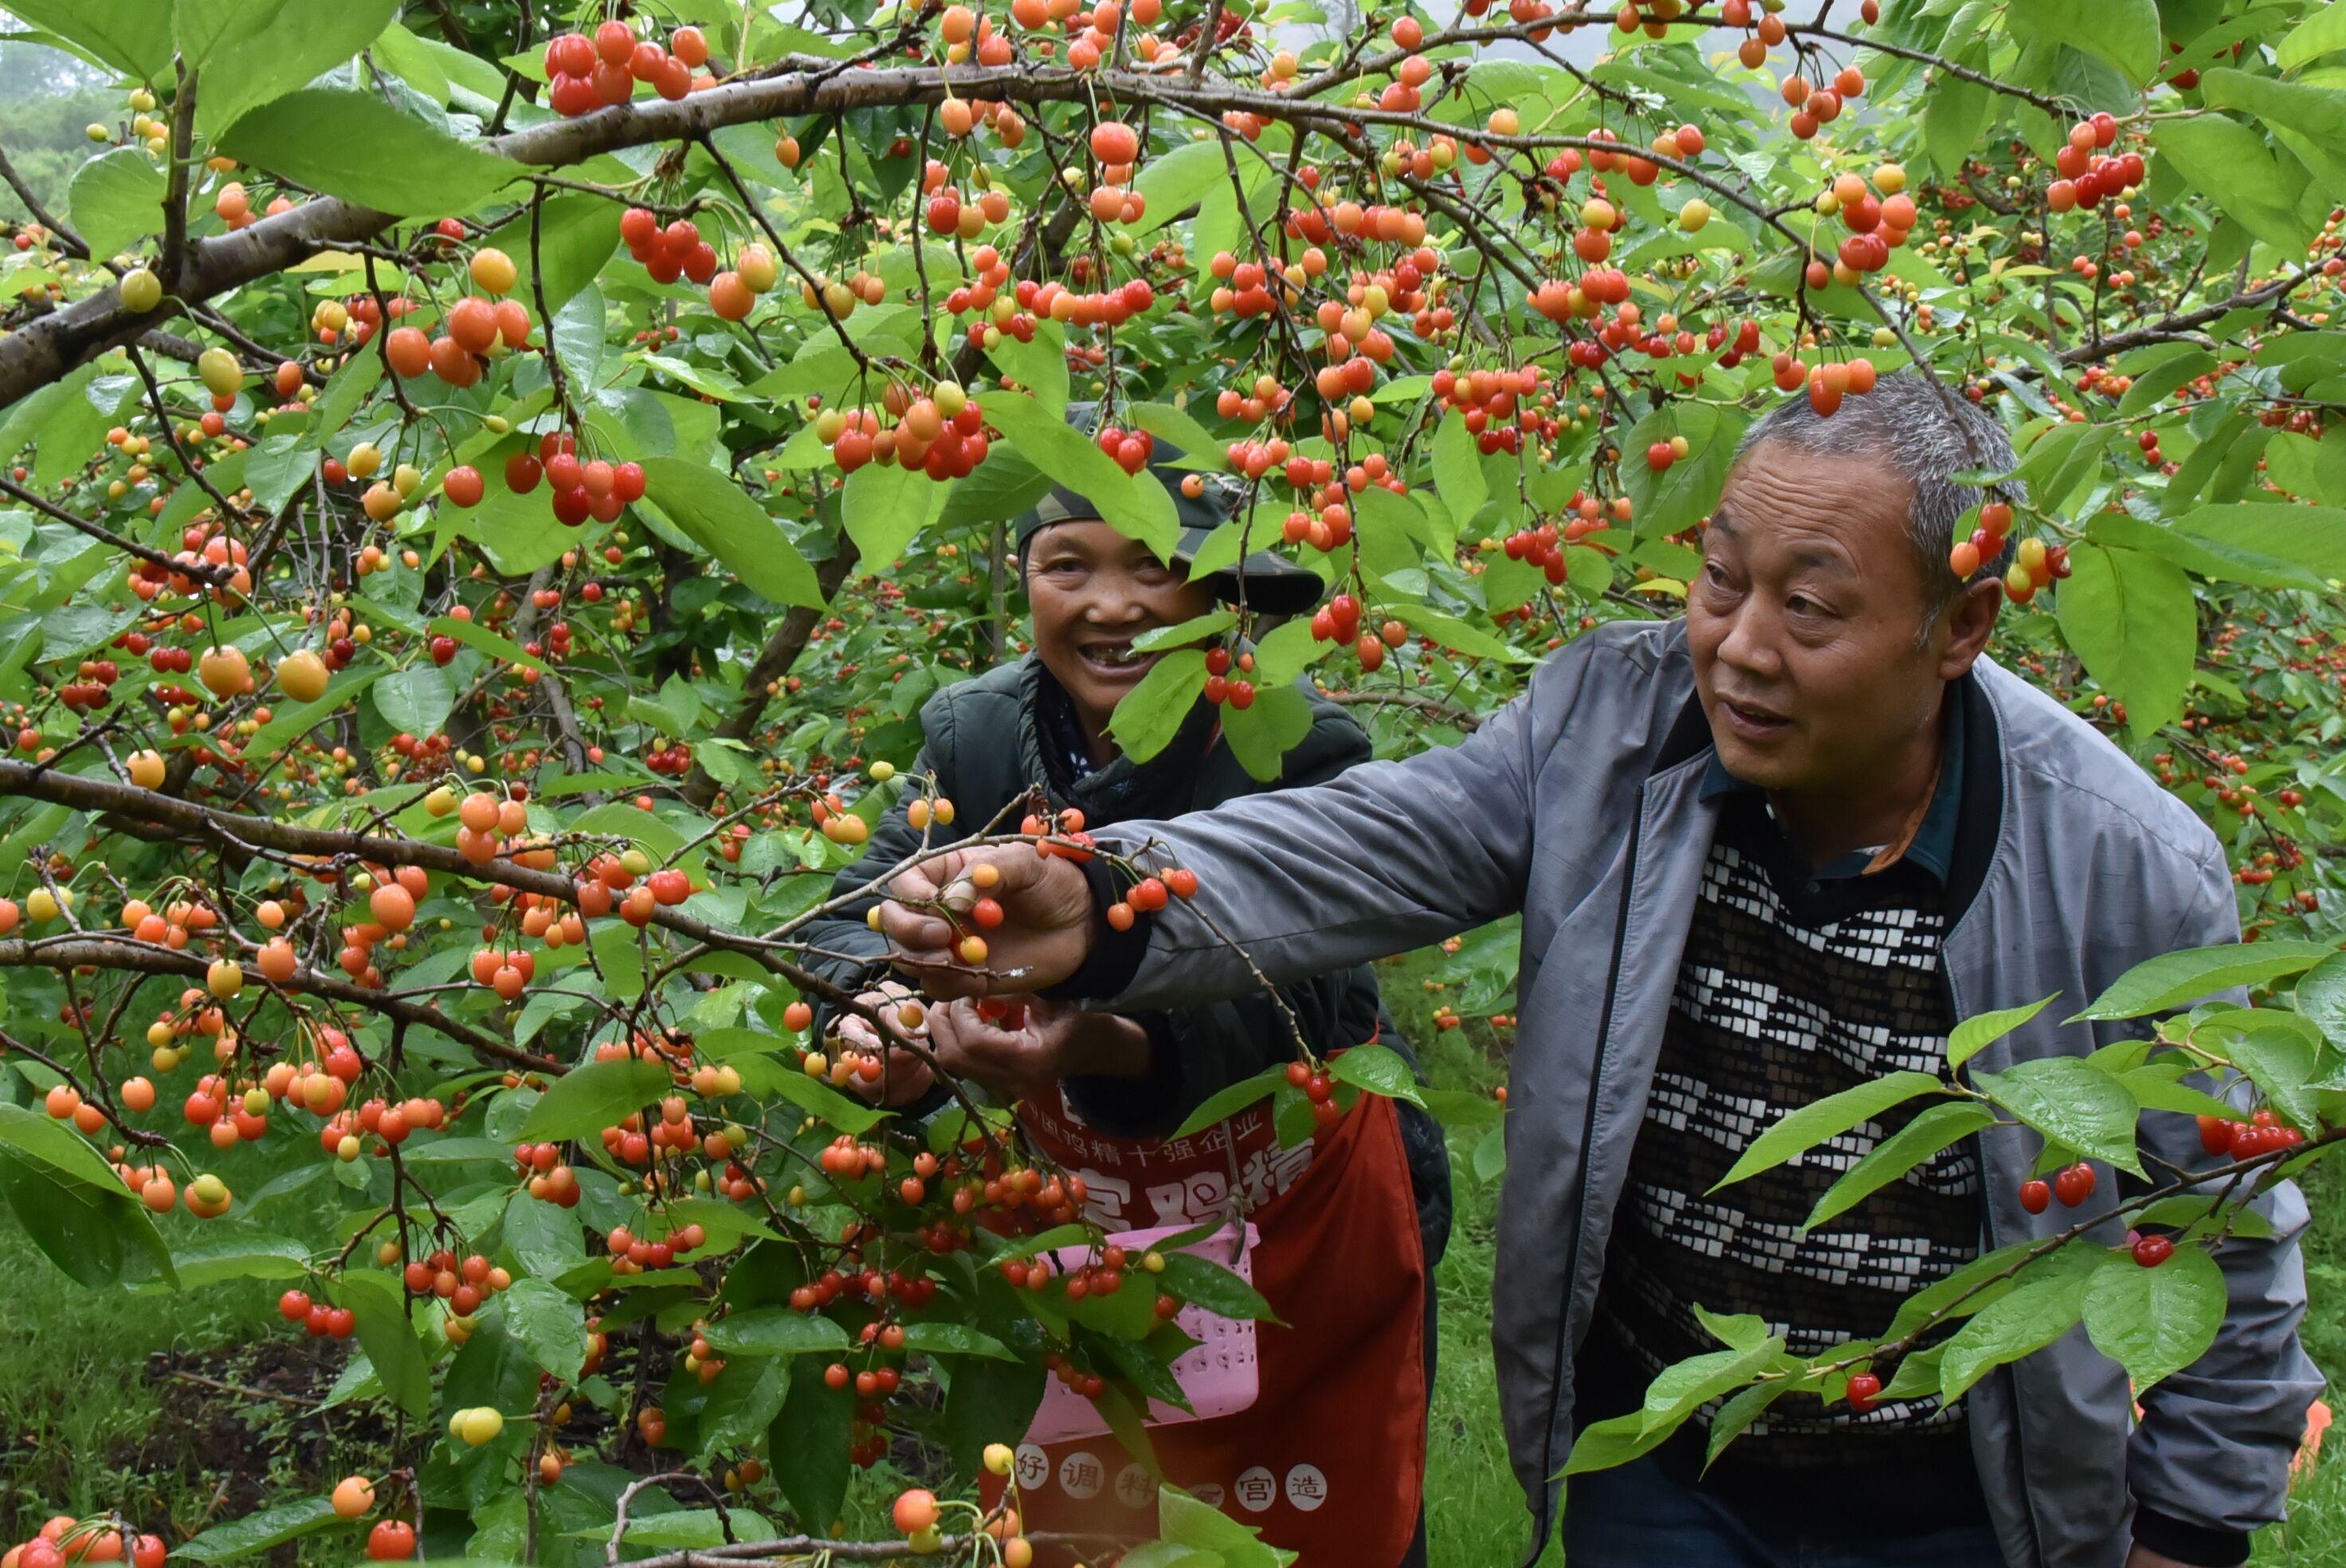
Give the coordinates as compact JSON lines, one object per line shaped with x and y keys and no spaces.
{"x":940,"y":434}
{"x":1497,"y":405}
{"x":951,"y":215}
{"x":2035,"y":564}
{"x":2261,"y":1133}
{"x":2087,"y":174}
{"x":595,"y":488}
{"x":1091,"y":29}
{"x":668,"y":253}
{"x":632,"y":1254}
{"x":66,"y":1539}
{"x":1130,"y":449}
{"x":587,"y":74}
{"x":1014,"y":312}
{"x":476,"y":326}
{"x":1339,"y":621}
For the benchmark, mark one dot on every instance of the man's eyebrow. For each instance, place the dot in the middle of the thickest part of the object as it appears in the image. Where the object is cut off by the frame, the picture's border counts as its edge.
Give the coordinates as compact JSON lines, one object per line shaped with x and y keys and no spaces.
{"x":1721,"y":520}
{"x":1818,"y":555}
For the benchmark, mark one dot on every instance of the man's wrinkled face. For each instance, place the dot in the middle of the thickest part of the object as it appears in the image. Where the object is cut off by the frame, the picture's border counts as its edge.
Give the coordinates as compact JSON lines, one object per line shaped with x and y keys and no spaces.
{"x":1094,"y":591}
{"x":1806,"y":622}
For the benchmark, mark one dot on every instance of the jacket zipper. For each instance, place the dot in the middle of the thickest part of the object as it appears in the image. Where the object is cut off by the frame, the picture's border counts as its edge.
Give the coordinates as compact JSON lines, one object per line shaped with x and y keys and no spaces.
{"x":1548,"y":1465}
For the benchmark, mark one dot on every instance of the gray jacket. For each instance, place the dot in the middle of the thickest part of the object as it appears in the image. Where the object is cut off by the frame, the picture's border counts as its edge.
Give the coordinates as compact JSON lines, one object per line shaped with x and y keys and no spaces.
{"x":1578,"y":805}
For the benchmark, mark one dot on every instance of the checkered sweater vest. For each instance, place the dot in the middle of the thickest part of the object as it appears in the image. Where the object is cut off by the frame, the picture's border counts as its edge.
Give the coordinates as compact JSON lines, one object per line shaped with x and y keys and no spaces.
{"x":1791,"y":990}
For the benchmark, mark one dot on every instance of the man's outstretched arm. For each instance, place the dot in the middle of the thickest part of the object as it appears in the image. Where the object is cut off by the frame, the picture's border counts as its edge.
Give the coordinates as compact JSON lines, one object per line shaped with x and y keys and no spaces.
{"x":1387,"y":857}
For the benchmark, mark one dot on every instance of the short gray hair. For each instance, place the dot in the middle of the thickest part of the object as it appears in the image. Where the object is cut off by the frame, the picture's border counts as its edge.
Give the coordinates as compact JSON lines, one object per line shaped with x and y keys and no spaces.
{"x":1925,"y":434}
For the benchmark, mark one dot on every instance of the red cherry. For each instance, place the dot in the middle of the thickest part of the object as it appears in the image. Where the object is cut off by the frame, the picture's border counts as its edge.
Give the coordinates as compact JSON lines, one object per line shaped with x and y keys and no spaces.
{"x":2034,"y":1195}
{"x":2151,"y":1251}
{"x":1864,"y":1389}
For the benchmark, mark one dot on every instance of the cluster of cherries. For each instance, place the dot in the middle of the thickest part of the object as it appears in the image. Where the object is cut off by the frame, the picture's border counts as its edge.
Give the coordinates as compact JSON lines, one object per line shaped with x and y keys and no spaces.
{"x":2073,"y":1185}
{"x":2087,"y":175}
{"x":675,"y":251}
{"x":1339,"y":620}
{"x":545,"y":1175}
{"x":587,"y":74}
{"x":2261,"y":1133}
{"x":596,"y":488}
{"x":941,"y":435}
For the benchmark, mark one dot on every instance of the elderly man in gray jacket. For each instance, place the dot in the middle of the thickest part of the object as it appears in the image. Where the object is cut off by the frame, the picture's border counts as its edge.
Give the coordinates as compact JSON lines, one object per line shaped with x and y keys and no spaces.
{"x":1760,"y":854}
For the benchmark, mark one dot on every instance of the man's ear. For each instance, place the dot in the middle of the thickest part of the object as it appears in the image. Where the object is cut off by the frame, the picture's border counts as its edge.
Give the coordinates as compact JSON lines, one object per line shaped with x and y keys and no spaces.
{"x":1965,"y":626}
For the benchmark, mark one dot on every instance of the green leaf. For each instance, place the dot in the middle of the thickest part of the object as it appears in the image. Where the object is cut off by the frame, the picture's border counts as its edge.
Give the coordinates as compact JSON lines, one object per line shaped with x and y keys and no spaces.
{"x":2074,"y":1103}
{"x":883,"y":508}
{"x":238,"y":1255}
{"x":2159,"y":371}
{"x":1810,"y":1125}
{"x":135,"y":34}
{"x":2312,"y":537}
{"x":575,"y":235}
{"x":1457,"y":471}
{"x":355,"y":145}
{"x":1039,"y":366}
{"x":259,"y":1532}
{"x":742,"y":1404}
{"x":2209,"y":557}
{"x":710,"y":509}
{"x":1683,"y":494}
{"x":585,"y":1100}
{"x":1736,"y":1415}
{"x":944,"y":1339}
{"x":376,"y":1300}
{"x":1932,"y":1129}
{"x":548,"y":1323}
{"x":1954,"y":117}
{"x":1380,"y":1069}
{"x":257,"y":53}
{"x":1607,"y":1443}
{"x":989,"y":1401}
{"x":1197,"y":629}
{"x":56,"y":1153}
{"x":2022,"y":1321}
{"x":1173,"y":183}
{"x":2233,"y":170}
{"x":1262,"y":733}
{"x":1167,"y":423}
{"x":544,"y":1237}
{"x":2317,"y":113}
{"x":2278,"y":1059}
{"x":828,"y":1105}
{"x":2126,"y":33}
{"x":472,"y":634}
{"x":1214,"y":1287}
{"x":774,"y":1332}
{"x":2320,"y":996}
{"x":417,"y":699}
{"x":2321,"y":32}
{"x":1975,"y":1034}
{"x":81,"y":1229}
{"x":1139,"y":506}
{"x":2132,"y":619}
{"x":1699,"y":1379}
{"x":576,"y":338}
{"x":2312,"y":470}
{"x":808,"y":1445}
{"x":1151,"y":713}
{"x":2155,"y":1322}
{"x":2174,"y":979}
{"x":1229,"y":1102}
{"x":115,"y":199}
{"x":278,"y":467}
{"x":1456,"y":634}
